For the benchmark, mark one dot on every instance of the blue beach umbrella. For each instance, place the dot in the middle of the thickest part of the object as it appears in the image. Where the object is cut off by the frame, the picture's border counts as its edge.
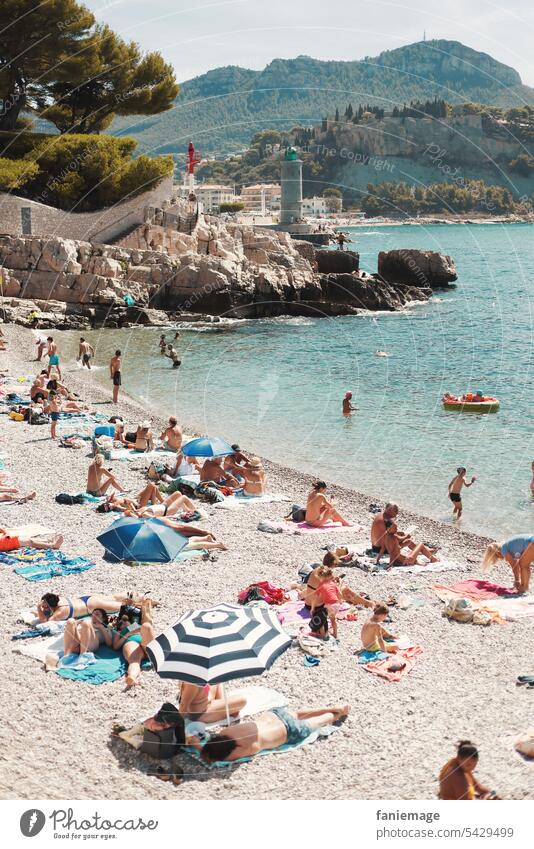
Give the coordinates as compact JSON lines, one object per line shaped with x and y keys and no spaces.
{"x":142,"y":540}
{"x":207,"y":447}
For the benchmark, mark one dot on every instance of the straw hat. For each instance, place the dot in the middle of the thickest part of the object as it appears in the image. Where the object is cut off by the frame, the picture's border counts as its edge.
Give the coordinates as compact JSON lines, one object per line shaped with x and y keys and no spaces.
{"x":255,"y":462}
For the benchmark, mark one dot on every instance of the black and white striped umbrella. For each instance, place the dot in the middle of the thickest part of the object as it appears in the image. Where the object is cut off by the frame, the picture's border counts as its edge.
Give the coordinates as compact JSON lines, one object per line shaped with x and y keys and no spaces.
{"x":219,"y":644}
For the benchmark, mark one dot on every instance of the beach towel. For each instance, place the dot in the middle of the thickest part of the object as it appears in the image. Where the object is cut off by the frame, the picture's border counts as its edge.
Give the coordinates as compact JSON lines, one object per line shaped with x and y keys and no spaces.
{"x":473,"y":589}
{"x":323,"y":732}
{"x":297,"y":528}
{"x":52,"y":565}
{"x":41,"y":629}
{"x":181,"y":557}
{"x":294,"y":613}
{"x":367,"y":563}
{"x":406,"y":656}
{"x":106,"y":666}
{"x":234,"y":502}
{"x":132,"y":454}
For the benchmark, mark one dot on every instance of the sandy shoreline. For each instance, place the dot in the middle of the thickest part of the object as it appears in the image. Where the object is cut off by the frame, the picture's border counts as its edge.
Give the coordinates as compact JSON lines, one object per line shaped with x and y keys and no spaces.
{"x":398,"y":735}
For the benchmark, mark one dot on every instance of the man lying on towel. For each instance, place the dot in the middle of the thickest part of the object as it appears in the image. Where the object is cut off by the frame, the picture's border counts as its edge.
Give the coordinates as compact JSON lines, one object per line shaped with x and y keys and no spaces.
{"x":10,"y":542}
{"x":270,"y":730}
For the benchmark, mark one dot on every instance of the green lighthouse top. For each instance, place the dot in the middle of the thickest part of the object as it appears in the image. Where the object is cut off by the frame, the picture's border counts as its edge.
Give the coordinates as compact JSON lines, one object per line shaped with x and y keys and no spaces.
{"x":291,"y":154}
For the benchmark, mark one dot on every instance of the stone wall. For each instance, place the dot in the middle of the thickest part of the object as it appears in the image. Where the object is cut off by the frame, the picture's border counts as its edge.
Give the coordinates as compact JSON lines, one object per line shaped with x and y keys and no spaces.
{"x":101,"y":226}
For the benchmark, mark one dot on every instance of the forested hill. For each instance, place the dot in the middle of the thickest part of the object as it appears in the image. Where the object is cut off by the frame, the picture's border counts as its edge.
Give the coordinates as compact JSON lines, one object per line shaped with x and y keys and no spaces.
{"x":223,"y":108}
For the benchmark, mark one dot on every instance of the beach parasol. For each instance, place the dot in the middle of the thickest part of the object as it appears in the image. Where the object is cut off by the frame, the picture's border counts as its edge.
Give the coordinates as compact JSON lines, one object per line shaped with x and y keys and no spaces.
{"x":219,"y":644}
{"x":207,"y":446}
{"x":142,"y":540}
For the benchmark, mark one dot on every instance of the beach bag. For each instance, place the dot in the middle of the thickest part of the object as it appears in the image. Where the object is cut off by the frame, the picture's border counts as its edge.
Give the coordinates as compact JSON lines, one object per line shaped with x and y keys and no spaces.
{"x":262,"y":591}
{"x":208,"y":493}
{"x":459,"y":609}
{"x":65,"y":498}
{"x":38,"y":419}
{"x":17,"y":417}
{"x":155,"y":471}
{"x":130,"y":436}
{"x":298,"y":513}
{"x":164,"y":733}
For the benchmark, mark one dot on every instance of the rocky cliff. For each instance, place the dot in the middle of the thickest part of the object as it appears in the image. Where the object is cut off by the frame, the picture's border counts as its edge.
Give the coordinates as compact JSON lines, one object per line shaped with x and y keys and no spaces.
{"x":218,"y":270}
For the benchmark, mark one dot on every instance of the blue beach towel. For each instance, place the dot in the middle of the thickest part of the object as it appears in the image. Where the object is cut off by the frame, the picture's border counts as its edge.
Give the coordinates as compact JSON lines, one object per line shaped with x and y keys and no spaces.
{"x":107,"y":667}
{"x":365,"y":656}
{"x":42,"y":564}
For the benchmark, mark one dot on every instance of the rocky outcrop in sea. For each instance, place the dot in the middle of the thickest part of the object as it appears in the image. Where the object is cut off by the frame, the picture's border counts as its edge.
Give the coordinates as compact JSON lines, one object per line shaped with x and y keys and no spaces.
{"x":218,"y":270}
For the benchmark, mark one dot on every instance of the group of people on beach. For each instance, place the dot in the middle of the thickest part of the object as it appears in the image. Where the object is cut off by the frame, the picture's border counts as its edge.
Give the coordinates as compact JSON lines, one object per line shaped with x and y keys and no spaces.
{"x":124,"y":621}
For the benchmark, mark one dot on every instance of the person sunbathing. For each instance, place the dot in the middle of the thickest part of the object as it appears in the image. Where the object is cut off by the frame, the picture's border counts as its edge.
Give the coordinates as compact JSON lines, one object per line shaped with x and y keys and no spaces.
{"x":10,"y":542}
{"x":199,"y":538}
{"x":213,"y":472}
{"x":56,"y":608}
{"x":100,"y":479}
{"x":144,"y":441}
{"x":270,"y":730}
{"x":174,"y":504}
{"x":393,"y":542}
{"x":518,"y":552}
{"x":255,"y":479}
{"x":456,"y":779}
{"x":184,"y":466}
{"x":150,"y":494}
{"x":13,"y":496}
{"x":373,"y":633}
{"x":132,"y":637}
{"x":88,"y":634}
{"x":320,"y":511}
{"x":172,"y":435}
{"x":208,"y":703}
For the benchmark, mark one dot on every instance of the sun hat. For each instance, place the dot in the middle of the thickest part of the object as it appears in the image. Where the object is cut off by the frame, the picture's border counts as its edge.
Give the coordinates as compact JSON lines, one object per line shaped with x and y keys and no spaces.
{"x":255,"y":462}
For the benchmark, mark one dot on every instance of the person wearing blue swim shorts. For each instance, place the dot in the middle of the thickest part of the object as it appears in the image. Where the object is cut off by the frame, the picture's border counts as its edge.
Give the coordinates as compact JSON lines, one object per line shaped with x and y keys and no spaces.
{"x":270,"y":730}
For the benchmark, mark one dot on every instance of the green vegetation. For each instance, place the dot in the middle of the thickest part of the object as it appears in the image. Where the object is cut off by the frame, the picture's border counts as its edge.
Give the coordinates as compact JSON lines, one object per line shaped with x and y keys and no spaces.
{"x":13,"y":174}
{"x":235,"y":206}
{"x":220,"y":109}
{"x":471,"y":196}
{"x":89,"y":172}
{"x":57,"y":63}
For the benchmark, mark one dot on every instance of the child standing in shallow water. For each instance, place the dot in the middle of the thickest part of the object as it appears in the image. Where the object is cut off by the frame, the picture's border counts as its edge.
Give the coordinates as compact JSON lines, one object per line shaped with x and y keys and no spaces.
{"x":373,"y":632}
{"x":455,"y":490}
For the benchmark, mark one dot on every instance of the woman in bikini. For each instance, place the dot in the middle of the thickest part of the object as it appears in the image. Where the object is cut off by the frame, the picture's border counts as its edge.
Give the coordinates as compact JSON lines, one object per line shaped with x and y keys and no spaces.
{"x":132,"y":638}
{"x":130,"y":504}
{"x":199,"y":538}
{"x":308,"y":592}
{"x":320,"y":511}
{"x":456,"y":779}
{"x":56,"y":608}
{"x":255,"y":478}
{"x":144,"y":441}
{"x":87,"y":635}
{"x":207,"y":703}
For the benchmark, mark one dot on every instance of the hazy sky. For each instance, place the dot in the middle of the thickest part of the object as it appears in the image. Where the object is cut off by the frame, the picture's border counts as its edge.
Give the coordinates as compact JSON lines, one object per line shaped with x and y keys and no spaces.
{"x":196,"y":35}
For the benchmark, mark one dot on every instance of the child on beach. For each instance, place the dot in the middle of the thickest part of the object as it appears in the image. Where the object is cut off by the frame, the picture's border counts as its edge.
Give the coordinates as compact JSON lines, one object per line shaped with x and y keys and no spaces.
{"x":373,"y":633}
{"x":455,"y":490}
{"x":54,"y":408}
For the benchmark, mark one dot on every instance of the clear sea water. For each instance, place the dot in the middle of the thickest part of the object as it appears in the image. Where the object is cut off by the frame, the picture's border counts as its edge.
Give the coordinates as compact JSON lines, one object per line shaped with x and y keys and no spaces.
{"x":276,"y":385}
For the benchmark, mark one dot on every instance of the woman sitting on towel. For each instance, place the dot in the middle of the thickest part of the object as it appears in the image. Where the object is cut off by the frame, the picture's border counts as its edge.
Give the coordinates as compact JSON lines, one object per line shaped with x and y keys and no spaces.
{"x":456,"y":779}
{"x":320,"y":511}
{"x":270,"y":730}
{"x":254,"y":476}
{"x":99,"y":479}
{"x":132,"y":638}
{"x":57,"y":608}
{"x":144,"y":441}
{"x":200,"y":539}
{"x":330,"y":561}
{"x":207,"y":703}
{"x":88,"y":634}
{"x":518,"y":552}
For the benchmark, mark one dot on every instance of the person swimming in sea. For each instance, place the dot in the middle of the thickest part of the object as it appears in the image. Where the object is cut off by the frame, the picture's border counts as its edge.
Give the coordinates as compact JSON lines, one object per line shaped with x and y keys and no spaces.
{"x":347,"y":406}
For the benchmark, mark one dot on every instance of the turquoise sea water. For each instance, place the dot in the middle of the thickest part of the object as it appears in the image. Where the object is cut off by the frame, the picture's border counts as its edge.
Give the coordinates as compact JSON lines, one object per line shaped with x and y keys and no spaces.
{"x":276,"y":385}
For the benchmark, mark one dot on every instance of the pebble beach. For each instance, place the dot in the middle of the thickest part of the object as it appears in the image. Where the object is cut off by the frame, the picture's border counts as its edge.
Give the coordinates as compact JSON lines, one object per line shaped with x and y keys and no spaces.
{"x":397,"y":736}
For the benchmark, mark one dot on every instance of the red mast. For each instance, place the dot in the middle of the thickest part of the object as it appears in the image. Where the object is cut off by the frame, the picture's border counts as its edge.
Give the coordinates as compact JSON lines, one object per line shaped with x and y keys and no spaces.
{"x":193,"y":158}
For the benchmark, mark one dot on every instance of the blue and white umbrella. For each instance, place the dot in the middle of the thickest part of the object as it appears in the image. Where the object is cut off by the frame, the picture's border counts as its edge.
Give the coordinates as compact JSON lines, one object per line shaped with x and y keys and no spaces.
{"x":206,"y":446}
{"x":219,"y":644}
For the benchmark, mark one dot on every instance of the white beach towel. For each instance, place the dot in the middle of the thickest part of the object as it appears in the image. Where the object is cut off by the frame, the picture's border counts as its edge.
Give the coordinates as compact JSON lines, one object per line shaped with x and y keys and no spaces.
{"x":38,"y":649}
{"x":234,"y":502}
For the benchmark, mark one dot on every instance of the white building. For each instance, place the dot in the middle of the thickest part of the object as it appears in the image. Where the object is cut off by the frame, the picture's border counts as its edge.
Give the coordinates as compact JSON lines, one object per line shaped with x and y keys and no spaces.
{"x":314,"y":206}
{"x":261,"y":197}
{"x":209,"y":196}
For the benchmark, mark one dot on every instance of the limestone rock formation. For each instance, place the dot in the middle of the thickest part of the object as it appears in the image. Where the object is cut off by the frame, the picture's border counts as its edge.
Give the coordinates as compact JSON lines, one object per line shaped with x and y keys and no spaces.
{"x":425,"y":269}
